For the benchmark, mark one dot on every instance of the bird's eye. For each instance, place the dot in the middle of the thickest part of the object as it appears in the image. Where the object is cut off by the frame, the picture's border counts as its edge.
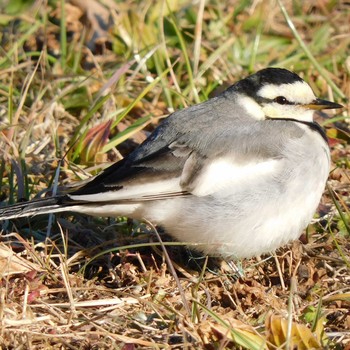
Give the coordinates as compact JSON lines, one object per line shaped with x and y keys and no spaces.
{"x":281,"y":100}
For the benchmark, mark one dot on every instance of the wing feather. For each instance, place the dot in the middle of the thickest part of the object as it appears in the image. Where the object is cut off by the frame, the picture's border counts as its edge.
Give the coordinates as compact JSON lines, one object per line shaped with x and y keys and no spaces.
{"x":171,"y":163}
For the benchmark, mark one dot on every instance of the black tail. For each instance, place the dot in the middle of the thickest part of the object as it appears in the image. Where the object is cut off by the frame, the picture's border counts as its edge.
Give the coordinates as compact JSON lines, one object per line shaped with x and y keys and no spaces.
{"x":35,"y":207}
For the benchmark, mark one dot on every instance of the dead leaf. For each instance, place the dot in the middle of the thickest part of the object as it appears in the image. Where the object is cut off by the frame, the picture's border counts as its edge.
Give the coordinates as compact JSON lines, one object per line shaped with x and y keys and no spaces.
{"x":12,"y":263}
{"x":301,"y":337}
{"x":232,"y":332}
{"x":99,"y":21}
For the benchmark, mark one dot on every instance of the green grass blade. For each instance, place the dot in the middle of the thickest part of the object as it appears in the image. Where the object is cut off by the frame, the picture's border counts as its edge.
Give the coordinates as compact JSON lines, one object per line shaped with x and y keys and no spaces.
{"x":308,"y":53}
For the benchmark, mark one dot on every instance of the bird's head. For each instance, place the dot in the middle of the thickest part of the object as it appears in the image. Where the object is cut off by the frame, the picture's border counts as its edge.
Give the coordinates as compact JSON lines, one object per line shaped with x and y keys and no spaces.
{"x":278,"y":93}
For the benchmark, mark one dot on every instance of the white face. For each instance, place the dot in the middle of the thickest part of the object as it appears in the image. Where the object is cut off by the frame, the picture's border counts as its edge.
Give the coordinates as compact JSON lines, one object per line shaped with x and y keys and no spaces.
{"x":298,"y":93}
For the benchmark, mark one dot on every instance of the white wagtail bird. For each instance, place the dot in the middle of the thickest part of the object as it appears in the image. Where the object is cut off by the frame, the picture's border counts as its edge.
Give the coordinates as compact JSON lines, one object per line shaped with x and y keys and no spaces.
{"x":236,"y":176}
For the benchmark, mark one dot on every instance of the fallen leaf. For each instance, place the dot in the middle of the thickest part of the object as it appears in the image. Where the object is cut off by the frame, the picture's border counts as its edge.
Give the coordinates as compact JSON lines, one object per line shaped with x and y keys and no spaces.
{"x":12,"y":263}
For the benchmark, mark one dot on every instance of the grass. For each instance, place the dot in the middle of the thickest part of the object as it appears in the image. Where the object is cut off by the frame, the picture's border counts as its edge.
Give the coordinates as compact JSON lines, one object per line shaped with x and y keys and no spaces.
{"x":76,"y":94}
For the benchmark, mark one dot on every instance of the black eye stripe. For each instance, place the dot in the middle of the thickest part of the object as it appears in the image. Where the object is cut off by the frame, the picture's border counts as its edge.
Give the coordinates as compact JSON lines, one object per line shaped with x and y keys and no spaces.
{"x":279,"y":99}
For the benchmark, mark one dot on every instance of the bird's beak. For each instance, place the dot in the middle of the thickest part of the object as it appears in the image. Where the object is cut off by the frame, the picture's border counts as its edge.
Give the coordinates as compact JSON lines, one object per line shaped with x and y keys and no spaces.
{"x":319,"y":104}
